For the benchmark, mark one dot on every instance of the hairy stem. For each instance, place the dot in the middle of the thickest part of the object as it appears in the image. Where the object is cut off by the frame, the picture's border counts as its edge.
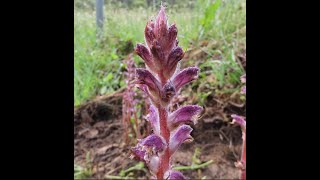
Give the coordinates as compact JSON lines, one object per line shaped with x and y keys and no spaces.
{"x":165,"y":133}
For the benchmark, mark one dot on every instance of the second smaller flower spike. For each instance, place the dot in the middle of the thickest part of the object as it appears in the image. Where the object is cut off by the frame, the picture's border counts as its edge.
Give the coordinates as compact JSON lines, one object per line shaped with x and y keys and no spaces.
{"x":189,"y":113}
{"x":180,"y":135}
{"x":185,"y":76}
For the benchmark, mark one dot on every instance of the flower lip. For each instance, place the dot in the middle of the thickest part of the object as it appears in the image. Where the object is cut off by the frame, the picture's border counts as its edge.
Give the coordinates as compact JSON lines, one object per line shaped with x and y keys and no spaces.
{"x":189,"y":113}
{"x":185,"y":76}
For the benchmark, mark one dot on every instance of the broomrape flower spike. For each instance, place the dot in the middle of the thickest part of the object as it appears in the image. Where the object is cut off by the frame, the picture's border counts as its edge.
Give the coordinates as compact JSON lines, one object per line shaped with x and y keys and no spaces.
{"x":161,"y":81}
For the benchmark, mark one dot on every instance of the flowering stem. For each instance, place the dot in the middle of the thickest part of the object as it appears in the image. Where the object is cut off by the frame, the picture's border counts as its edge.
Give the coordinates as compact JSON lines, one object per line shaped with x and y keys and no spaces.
{"x":165,"y":132}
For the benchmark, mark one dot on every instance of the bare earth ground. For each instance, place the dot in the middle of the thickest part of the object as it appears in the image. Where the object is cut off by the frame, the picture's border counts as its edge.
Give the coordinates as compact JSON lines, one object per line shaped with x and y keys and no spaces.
{"x":98,"y":130}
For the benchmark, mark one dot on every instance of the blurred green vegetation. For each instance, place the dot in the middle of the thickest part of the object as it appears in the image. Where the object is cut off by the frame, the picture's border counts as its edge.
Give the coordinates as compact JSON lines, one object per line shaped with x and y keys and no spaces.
{"x":98,"y":66}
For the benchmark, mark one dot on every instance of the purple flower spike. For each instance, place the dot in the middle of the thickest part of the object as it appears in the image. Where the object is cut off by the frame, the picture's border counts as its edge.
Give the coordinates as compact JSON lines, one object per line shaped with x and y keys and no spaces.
{"x":174,"y":175}
{"x":145,"y":77}
{"x":189,"y":113}
{"x":161,"y":81}
{"x":153,"y":118}
{"x":180,"y":135}
{"x":239,"y":120}
{"x":185,"y":76}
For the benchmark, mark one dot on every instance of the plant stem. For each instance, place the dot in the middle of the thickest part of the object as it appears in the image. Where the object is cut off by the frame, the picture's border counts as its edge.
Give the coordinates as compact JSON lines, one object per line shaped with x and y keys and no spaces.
{"x":165,"y":133}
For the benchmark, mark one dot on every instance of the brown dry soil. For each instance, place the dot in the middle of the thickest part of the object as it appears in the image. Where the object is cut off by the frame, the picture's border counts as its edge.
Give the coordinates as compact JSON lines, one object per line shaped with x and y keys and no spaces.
{"x":99,"y":131}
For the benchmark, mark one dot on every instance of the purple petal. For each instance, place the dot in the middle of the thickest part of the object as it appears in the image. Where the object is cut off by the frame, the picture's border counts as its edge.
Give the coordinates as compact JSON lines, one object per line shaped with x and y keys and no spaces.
{"x":174,"y":57}
{"x":189,"y":113}
{"x":155,"y":142}
{"x":172,"y":36}
{"x":174,"y":175}
{"x":185,"y":76}
{"x":180,"y":135}
{"x":148,"y":147}
{"x":158,"y":54}
{"x":239,"y":120}
{"x":149,"y":34}
{"x":144,"y":53}
{"x":138,"y":153}
{"x":153,"y":118}
{"x":145,"y":77}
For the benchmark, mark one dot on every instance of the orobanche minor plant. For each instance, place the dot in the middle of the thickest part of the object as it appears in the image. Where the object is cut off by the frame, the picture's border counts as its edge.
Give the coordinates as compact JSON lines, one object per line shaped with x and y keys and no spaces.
{"x":161,"y":80}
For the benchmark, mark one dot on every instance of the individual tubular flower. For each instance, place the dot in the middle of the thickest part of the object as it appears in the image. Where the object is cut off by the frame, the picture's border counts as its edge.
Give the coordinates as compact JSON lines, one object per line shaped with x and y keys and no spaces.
{"x":161,"y":81}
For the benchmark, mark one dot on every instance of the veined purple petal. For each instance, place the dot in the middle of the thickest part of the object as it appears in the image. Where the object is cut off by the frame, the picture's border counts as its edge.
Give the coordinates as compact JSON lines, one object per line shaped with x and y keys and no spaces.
{"x":149,"y":34}
{"x":239,"y":120}
{"x":145,"y":77}
{"x":189,"y":113}
{"x":243,"y":78}
{"x":153,"y":118}
{"x":185,"y":76}
{"x":174,"y":175}
{"x":155,"y":142}
{"x":144,"y":53}
{"x":180,"y":135}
